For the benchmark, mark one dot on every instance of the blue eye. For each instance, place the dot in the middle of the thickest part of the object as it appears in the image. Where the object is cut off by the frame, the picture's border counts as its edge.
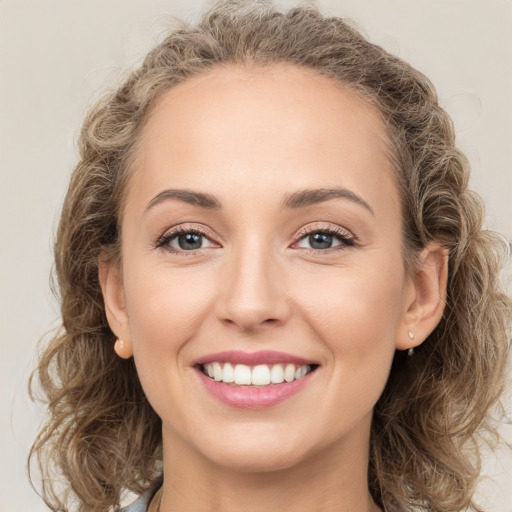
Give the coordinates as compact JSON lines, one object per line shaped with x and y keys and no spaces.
{"x":189,"y":241}
{"x":320,"y":241}
{"x":325,"y":238}
{"x":184,"y":240}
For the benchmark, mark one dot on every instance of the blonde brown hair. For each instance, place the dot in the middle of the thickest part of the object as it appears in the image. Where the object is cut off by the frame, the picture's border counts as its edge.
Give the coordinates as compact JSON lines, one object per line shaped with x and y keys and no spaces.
{"x":103,"y":437}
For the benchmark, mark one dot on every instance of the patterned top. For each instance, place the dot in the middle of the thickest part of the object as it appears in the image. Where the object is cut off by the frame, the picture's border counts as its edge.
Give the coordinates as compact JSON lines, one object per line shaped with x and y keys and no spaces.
{"x":141,"y":504}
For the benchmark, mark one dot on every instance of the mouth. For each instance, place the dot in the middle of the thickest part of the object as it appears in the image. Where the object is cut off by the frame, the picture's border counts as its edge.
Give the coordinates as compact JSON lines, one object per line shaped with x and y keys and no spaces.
{"x":254,"y":380}
{"x":260,"y":375}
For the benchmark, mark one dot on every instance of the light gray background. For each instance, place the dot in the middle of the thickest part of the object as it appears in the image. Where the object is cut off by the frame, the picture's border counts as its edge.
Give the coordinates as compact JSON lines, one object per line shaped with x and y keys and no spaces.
{"x":54,"y":57}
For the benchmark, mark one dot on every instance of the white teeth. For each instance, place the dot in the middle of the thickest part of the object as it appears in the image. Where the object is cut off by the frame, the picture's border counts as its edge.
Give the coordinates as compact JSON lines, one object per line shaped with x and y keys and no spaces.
{"x":277,"y":374}
{"x":228,"y":373}
{"x":260,"y":375}
{"x":289,"y":373}
{"x":217,"y":371}
{"x":242,"y":374}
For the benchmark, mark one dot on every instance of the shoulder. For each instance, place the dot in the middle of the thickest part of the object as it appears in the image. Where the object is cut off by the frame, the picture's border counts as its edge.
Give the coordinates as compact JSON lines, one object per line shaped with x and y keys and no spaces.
{"x":141,"y":504}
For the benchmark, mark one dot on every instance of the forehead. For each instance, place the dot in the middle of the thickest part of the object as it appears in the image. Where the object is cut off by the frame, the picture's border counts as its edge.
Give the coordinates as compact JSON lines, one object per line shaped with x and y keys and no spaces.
{"x":245,"y":97}
{"x":255,"y":125}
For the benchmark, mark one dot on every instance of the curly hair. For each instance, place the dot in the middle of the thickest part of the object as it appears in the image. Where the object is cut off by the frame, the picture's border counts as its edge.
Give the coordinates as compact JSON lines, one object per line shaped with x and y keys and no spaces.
{"x":103,"y":437}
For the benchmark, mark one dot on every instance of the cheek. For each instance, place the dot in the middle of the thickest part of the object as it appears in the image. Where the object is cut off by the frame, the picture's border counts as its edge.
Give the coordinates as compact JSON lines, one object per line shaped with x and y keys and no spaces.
{"x":356,"y":320}
{"x":164,"y":309}
{"x":354,"y":310}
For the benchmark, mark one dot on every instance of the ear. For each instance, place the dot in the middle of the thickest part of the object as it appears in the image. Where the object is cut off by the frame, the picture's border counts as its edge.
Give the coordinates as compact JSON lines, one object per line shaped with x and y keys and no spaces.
{"x":425,"y":298}
{"x":111,"y":282}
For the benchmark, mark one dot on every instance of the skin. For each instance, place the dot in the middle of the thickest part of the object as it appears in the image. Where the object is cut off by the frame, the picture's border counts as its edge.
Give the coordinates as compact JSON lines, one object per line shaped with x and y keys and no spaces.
{"x":250,"y":137}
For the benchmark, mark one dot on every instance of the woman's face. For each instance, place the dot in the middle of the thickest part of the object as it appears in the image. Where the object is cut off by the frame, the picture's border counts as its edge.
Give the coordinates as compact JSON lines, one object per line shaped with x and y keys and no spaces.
{"x":262,"y":229}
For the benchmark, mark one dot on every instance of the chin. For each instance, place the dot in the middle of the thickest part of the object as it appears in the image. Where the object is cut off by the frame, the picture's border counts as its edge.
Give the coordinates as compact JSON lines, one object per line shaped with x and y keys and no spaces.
{"x":257,"y":460}
{"x":264,"y":453}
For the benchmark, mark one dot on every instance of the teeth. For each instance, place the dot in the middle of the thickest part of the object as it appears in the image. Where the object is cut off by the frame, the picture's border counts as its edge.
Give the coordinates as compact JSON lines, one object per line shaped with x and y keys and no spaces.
{"x":228,"y":373}
{"x":217,"y":371}
{"x":277,"y":374}
{"x":300,"y":372}
{"x":260,"y":375}
{"x":289,"y":373}
{"x":242,"y":374}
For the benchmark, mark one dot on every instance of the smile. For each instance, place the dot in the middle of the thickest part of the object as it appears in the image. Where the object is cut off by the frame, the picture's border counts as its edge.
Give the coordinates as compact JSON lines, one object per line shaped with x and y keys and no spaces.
{"x":255,"y":380}
{"x":260,"y":375}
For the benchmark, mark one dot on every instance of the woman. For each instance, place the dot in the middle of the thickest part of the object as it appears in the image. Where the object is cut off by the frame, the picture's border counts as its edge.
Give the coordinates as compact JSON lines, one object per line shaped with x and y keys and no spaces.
{"x":276,"y":289}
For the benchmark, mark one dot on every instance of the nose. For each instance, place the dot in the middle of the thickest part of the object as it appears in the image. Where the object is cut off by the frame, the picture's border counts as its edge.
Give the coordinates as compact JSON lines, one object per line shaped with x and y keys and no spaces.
{"x":254,"y":291}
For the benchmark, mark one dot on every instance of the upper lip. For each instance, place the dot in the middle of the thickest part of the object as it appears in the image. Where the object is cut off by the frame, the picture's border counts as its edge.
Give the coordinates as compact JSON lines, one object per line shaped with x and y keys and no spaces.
{"x":252,"y":358}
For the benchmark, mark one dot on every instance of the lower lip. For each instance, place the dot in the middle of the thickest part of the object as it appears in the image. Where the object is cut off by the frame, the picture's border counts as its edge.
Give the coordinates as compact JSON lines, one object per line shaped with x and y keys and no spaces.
{"x":248,"y":397}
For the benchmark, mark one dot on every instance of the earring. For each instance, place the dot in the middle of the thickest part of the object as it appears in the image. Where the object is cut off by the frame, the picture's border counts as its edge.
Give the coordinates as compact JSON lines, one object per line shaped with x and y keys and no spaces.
{"x":410,"y":352}
{"x":123,"y":349}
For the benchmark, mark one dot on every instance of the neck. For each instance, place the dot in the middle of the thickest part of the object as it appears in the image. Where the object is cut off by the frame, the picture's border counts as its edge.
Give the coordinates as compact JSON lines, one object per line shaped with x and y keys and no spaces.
{"x":333,"y":479}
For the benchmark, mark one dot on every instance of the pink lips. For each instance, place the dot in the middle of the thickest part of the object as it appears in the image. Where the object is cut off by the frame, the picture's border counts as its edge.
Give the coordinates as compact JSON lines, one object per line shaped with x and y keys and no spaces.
{"x":250,"y":397}
{"x":253,"y":358}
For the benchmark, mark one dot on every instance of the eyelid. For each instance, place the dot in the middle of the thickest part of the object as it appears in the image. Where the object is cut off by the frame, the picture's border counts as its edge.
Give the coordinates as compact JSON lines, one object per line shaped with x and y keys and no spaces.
{"x":347,"y":238}
{"x":163,"y":241}
{"x":327,"y":228}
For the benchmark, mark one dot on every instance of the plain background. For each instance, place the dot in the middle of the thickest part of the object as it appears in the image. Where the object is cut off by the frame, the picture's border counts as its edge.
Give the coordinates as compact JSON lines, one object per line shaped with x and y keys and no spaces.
{"x":55,"y":55}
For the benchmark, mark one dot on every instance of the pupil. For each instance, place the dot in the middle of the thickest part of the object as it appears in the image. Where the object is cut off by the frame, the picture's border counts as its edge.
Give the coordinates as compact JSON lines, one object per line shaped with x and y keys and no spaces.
{"x":189,"y":241}
{"x":320,"y":241}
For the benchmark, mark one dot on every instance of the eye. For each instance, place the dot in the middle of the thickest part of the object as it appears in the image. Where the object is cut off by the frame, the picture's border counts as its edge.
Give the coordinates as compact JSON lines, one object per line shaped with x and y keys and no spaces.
{"x":325,"y":238}
{"x":185,"y":240}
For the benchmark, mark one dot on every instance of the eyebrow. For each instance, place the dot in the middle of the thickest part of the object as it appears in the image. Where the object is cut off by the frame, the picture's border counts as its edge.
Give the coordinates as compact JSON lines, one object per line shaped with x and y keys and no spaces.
{"x":310,"y":197}
{"x":200,"y":199}
{"x":300,"y":199}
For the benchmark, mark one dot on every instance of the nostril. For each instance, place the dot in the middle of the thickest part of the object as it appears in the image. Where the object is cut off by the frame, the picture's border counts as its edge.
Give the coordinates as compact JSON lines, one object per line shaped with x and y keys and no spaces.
{"x":249,"y":325}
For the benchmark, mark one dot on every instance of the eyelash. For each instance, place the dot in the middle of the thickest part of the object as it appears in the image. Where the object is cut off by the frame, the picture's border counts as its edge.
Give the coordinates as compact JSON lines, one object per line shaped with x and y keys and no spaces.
{"x":164,"y":241}
{"x":347,"y":239}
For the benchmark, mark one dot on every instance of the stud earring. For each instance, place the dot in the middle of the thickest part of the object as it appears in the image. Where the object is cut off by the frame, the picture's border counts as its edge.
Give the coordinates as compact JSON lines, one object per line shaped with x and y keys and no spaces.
{"x":123,"y":349}
{"x":410,"y":352}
